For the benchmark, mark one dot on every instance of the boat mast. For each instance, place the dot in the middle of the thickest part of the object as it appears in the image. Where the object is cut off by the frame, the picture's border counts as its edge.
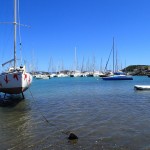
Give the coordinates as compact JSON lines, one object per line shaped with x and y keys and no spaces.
{"x":113,"y":55}
{"x":15,"y":24}
{"x":75,"y":59}
{"x":116,"y":65}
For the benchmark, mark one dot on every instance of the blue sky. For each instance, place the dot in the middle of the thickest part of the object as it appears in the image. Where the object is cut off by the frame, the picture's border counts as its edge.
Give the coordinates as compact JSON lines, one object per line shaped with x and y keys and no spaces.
{"x":58,"y":26}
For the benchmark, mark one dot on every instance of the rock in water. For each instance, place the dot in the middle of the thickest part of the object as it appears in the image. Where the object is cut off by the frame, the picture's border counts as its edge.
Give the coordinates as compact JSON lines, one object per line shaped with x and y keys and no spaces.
{"x":72,"y":136}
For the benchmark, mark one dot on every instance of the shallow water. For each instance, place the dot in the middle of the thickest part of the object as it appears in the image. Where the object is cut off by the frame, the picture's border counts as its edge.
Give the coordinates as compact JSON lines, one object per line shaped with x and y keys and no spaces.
{"x":105,"y":115}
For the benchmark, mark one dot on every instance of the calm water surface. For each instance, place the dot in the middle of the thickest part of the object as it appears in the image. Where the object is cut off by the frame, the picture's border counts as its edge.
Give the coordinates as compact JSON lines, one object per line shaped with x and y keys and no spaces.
{"x":105,"y":115}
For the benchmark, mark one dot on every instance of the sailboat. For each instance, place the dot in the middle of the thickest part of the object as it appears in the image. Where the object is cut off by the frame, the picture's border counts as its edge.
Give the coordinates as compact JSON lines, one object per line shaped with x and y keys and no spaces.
{"x":117,"y":75}
{"x":76,"y":73}
{"x":15,"y":80}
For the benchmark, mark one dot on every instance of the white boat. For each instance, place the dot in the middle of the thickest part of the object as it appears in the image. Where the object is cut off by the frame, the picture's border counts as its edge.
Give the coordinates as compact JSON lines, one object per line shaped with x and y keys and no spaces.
{"x":96,"y":73}
{"x":16,"y":80}
{"x":142,"y":87}
{"x":77,"y":73}
{"x":62,"y":75}
{"x":53,"y":75}
{"x":41,"y":76}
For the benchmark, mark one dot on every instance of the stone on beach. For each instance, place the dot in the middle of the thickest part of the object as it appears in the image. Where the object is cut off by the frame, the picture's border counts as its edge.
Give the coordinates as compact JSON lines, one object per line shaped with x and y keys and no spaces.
{"x":72,"y":136}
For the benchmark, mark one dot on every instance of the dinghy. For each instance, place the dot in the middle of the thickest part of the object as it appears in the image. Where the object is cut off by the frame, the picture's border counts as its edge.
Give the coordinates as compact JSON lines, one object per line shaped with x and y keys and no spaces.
{"x":142,"y":87}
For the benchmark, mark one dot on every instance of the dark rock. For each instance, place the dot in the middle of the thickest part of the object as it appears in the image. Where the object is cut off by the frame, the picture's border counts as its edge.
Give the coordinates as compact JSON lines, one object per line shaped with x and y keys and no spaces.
{"x":72,"y":136}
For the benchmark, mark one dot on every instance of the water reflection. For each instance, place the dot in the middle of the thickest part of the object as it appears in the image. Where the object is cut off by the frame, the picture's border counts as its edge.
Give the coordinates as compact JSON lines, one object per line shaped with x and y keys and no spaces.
{"x":10,"y":100}
{"x":15,"y":123}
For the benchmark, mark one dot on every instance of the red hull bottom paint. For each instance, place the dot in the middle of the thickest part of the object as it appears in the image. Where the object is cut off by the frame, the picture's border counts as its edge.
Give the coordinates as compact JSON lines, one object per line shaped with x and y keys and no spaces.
{"x":13,"y":90}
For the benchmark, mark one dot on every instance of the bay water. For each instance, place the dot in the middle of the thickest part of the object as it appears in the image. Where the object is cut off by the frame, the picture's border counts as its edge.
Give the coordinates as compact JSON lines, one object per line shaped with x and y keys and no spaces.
{"x":105,"y":115}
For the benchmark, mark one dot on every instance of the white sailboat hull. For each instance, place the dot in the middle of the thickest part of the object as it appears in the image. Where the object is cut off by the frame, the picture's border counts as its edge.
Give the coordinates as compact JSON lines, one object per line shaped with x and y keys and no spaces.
{"x":15,"y":82}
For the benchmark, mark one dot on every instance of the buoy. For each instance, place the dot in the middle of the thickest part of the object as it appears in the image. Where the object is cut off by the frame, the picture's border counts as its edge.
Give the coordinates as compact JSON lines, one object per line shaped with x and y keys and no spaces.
{"x":72,"y":136}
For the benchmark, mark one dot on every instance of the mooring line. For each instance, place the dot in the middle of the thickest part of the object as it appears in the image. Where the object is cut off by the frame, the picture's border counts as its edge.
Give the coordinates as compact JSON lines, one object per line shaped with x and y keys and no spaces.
{"x":41,"y":112}
{"x":71,"y":136}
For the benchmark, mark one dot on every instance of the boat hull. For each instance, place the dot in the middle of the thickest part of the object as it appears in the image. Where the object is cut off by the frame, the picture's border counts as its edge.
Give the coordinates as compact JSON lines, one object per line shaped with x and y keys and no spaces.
{"x":15,"y":83}
{"x":117,"y":78}
{"x":142,"y":87}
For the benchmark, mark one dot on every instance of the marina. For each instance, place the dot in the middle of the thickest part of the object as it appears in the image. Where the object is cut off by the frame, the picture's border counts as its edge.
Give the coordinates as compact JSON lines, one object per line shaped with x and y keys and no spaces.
{"x":64,"y":86}
{"x":104,"y":115}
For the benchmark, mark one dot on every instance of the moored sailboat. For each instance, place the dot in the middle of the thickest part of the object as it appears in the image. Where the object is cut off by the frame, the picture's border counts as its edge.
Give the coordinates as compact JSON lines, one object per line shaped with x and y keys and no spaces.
{"x":15,"y":80}
{"x":117,"y":75}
